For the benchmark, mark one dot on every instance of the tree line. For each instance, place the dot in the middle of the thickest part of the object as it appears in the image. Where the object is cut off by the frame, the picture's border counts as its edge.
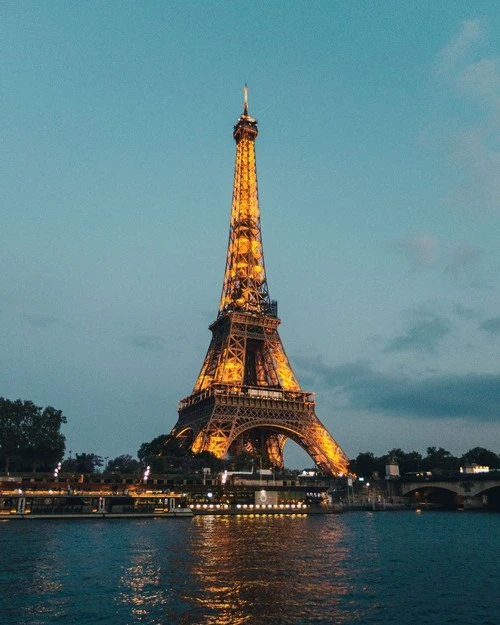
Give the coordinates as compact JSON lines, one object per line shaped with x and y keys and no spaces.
{"x":31,"y":440}
{"x":162,"y":455}
{"x":438,"y":460}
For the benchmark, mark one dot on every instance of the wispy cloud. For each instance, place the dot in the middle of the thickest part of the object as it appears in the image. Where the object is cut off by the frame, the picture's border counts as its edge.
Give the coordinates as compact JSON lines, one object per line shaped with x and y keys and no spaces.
{"x":455,"y":51}
{"x":425,"y":330}
{"x":420,"y":250}
{"x":466,"y":313}
{"x":466,"y":266}
{"x":464,"y":262}
{"x":474,"y":151}
{"x":470,"y":396}
{"x":491,"y":325}
{"x":481,"y":81}
{"x":477,"y":160}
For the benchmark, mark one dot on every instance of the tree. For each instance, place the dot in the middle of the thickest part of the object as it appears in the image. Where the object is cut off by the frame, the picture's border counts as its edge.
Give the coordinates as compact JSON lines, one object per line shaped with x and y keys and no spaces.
{"x":69,"y":465}
{"x":83,"y":463}
{"x":163,"y":453}
{"x":43,"y":442}
{"x":30,"y":432}
{"x":409,"y":462}
{"x":365,"y":465}
{"x":483,"y":457}
{"x":157,"y":447}
{"x":11,"y":432}
{"x":439,"y":459}
{"x":123,"y":464}
{"x":205,"y":459}
{"x":245,"y":461}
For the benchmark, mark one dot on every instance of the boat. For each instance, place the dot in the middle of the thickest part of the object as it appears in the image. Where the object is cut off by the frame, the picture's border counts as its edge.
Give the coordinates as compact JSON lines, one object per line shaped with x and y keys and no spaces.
{"x":50,"y":505}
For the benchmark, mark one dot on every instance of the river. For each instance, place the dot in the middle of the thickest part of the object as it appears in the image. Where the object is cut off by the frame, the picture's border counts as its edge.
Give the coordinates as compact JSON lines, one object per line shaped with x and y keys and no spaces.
{"x":358,"y":567}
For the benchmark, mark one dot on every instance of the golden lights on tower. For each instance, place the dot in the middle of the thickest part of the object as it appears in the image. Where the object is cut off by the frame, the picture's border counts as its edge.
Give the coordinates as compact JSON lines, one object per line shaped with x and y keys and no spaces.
{"x":247,"y":397}
{"x":244,"y":287}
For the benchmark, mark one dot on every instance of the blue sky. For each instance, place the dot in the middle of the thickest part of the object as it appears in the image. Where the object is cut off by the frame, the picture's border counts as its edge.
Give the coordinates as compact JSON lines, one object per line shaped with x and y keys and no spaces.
{"x":379,"y":166}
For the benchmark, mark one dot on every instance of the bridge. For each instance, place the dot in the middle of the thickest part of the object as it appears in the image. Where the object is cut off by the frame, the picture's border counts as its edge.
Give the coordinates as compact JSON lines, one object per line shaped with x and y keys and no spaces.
{"x":478,"y":491}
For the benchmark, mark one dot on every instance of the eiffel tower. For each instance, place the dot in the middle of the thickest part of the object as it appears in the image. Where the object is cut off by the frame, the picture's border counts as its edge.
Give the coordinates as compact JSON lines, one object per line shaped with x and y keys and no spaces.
{"x":246,"y":397}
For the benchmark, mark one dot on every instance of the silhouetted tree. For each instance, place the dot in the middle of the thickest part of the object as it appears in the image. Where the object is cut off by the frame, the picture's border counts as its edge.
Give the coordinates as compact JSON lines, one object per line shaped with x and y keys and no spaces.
{"x":483,"y":457}
{"x":439,"y":459}
{"x":43,"y":442}
{"x":11,"y":432}
{"x":245,"y":461}
{"x":83,"y":463}
{"x":409,"y":462}
{"x":364,"y":465}
{"x":164,"y":454}
{"x":157,"y":448}
{"x":205,"y":459}
{"x":31,"y":433}
{"x":123,"y":464}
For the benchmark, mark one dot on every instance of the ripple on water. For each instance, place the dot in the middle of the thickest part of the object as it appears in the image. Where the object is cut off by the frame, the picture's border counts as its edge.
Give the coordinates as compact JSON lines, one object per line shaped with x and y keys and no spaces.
{"x":361,"y":568}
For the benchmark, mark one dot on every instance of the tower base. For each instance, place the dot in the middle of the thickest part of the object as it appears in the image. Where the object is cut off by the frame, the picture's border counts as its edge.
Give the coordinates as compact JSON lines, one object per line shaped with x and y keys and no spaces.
{"x":258,"y":421}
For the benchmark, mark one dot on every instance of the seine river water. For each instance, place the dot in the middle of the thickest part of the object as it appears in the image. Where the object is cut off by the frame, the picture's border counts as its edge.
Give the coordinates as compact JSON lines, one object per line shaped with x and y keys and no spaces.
{"x":359,"y":567}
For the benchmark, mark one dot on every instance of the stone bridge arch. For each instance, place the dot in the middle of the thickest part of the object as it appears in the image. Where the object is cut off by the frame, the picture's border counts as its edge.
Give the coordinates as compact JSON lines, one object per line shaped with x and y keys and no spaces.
{"x":434,"y":495}
{"x":464,"y":492}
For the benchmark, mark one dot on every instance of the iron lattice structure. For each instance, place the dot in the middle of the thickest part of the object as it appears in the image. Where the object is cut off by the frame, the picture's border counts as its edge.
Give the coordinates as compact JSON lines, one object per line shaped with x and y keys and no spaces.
{"x":247,"y":397}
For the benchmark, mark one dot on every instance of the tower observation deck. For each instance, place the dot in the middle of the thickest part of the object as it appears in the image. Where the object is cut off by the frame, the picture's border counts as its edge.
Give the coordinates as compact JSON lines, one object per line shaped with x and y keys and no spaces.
{"x":247,"y":397}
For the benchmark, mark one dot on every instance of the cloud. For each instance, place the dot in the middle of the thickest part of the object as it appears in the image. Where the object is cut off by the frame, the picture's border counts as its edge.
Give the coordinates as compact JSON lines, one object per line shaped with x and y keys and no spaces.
{"x":420,"y":250}
{"x":470,"y":396}
{"x":478,"y":162}
{"x":481,"y":81}
{"x":464,"y":262}
{"x":147,"y":342}
{"x":466,"y":266}
{"x":423,"y":334}
{"x":466,"y":313}
{"x":474,"y":151}
{"x":491,"y":325}
{"x":455,"y":51}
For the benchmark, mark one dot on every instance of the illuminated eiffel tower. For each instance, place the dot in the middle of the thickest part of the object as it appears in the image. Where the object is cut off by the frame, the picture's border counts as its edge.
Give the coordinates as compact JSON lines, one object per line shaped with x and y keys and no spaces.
{"x":246,"y":397}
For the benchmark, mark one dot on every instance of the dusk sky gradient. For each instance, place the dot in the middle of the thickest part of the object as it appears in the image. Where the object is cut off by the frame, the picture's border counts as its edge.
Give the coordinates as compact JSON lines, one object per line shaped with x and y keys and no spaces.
{"x":378,"y":164}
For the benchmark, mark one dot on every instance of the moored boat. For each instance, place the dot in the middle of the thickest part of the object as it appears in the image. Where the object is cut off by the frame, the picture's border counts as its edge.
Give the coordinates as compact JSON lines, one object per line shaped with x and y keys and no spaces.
{"x":92,"y":506}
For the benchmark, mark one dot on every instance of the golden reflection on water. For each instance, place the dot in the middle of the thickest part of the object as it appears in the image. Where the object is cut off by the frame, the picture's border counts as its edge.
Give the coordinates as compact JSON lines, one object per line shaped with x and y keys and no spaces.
{"x":263,"y":569}
{"x":245,"y":569}
{"x":230,"y":570}
{"x":367,"y":568}
{"x":140,"y":580}
{"x":209,"y":570}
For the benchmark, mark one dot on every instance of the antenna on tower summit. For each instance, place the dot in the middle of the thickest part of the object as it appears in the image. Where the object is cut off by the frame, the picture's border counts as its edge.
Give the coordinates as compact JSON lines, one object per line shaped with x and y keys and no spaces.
{"x":245,"y":100}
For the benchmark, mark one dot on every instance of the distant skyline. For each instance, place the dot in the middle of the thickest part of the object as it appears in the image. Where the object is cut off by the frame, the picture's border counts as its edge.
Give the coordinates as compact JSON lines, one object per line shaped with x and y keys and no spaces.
{"x":378,"y":161}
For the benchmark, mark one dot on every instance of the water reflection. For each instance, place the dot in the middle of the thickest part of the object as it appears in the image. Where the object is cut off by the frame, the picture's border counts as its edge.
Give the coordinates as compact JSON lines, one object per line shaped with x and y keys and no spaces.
{"x":140,"y":581}
{"x":265,"y":569}
{"x":375,"y":569}
{"x":234,"y":570}
{"x":36,"y":573}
